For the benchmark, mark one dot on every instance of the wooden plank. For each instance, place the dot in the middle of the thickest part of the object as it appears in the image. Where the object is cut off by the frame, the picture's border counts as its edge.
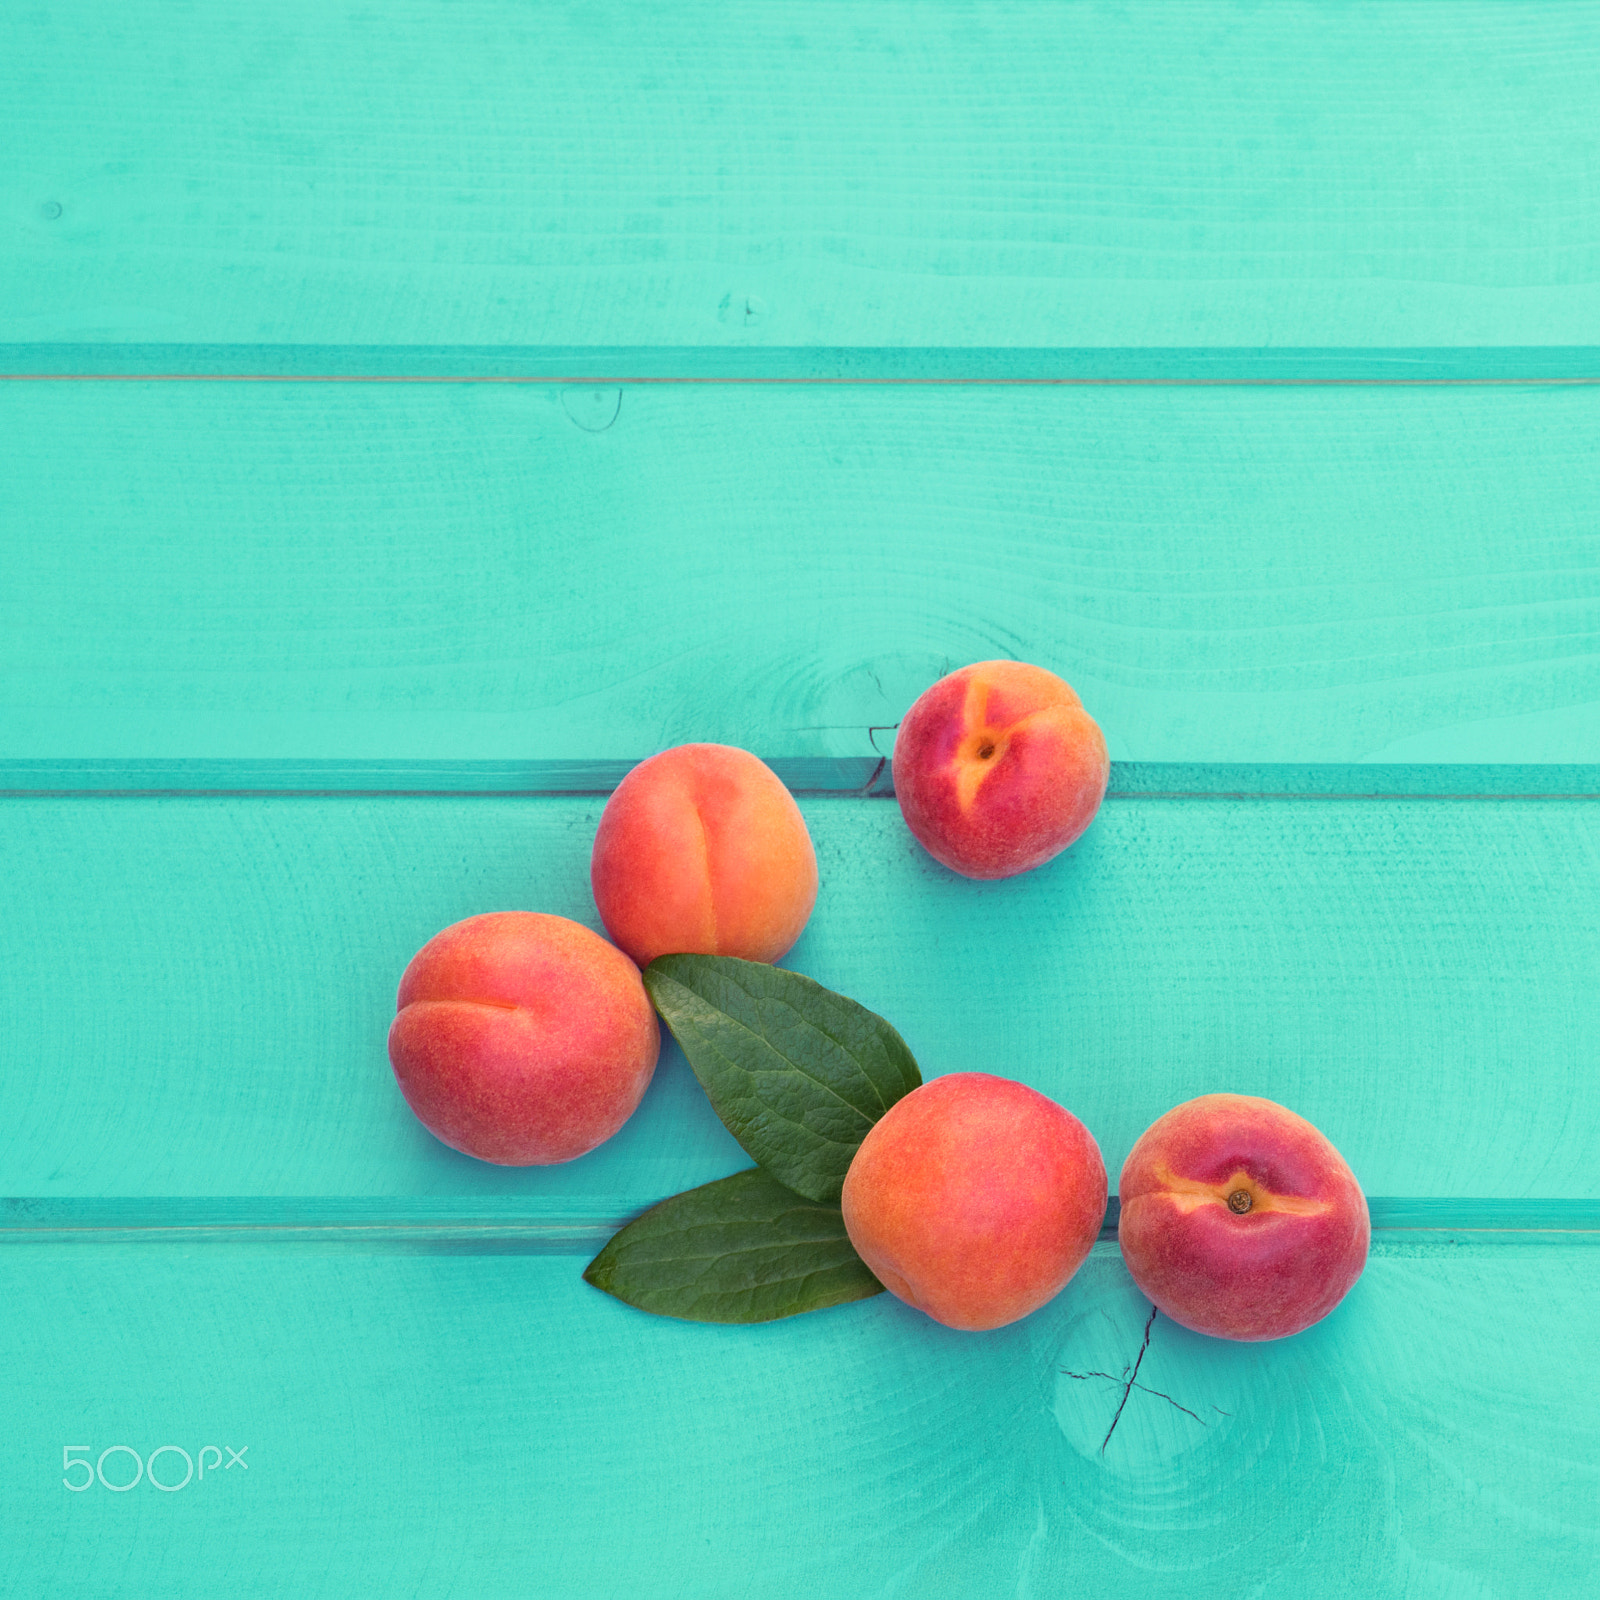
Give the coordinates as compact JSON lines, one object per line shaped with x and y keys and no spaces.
{"x":1155,"y":176}
{"x":379,"y":573}
{"x":481,"y":1425}
{"x":199,"y":989}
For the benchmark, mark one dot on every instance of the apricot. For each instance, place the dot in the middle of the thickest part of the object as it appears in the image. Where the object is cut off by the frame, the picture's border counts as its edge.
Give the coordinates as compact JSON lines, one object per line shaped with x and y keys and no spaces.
{"x":522,"y":1038}
{"x":998,"y":768}
{"x":975,"y":1199}
{"x":701,"y":849}
{"x":1241,"y":1220}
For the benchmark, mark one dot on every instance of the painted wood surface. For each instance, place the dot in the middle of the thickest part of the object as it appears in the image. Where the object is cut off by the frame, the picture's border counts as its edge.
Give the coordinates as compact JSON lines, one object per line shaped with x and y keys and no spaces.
{"x":1342,"y":640}
{"x":1031,"y":175}
{"x":487,"y":1424}
{"x":199,"y":989}
{"x":346,"y":572}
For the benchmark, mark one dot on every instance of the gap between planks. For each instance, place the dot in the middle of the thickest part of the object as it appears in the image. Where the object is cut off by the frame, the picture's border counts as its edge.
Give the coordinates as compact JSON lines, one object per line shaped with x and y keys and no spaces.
{"x":512,"y":1226}
{"x":862,"y":777}
{"x":776,"y":364}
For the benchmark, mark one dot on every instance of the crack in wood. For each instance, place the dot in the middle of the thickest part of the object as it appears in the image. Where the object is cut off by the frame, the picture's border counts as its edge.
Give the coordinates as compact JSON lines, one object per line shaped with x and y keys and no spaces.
{"x":1129,"y":1382}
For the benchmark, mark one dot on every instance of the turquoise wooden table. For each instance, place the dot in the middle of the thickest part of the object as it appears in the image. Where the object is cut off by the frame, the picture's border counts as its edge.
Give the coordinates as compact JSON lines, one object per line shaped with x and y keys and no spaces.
{"x":414,"y":415}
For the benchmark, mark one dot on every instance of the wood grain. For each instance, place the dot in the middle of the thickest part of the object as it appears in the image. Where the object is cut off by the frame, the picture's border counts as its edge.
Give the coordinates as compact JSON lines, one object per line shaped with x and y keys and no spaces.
{"x":197,"y":991}
{"x":485,"y":1425}
{"x":350,"y":573}
{"x":221,"y":1224}
{"x":950,"y":174}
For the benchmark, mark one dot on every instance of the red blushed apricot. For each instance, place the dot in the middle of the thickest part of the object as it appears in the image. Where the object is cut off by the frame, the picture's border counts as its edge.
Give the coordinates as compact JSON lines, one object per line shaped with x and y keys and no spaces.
{"x":701,"y":849}
{"x":522,"y":1038}
{"x":1239,"y":1219}
{"x":975,"y":1199}
{"x":998,"y":768}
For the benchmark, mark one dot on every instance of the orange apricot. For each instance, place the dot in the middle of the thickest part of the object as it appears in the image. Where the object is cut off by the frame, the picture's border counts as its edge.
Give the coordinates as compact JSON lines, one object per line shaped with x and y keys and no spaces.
{"x":701,"y":849}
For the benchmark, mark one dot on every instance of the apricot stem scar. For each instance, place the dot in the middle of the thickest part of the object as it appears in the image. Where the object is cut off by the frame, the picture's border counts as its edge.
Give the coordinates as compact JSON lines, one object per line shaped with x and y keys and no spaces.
{"x":1240,"y":1201}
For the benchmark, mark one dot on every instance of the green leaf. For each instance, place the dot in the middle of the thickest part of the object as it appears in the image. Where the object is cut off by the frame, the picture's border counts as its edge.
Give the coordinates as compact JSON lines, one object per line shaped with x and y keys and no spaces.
{"x":742,"y":1249}
{"x":797,"y":1072}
